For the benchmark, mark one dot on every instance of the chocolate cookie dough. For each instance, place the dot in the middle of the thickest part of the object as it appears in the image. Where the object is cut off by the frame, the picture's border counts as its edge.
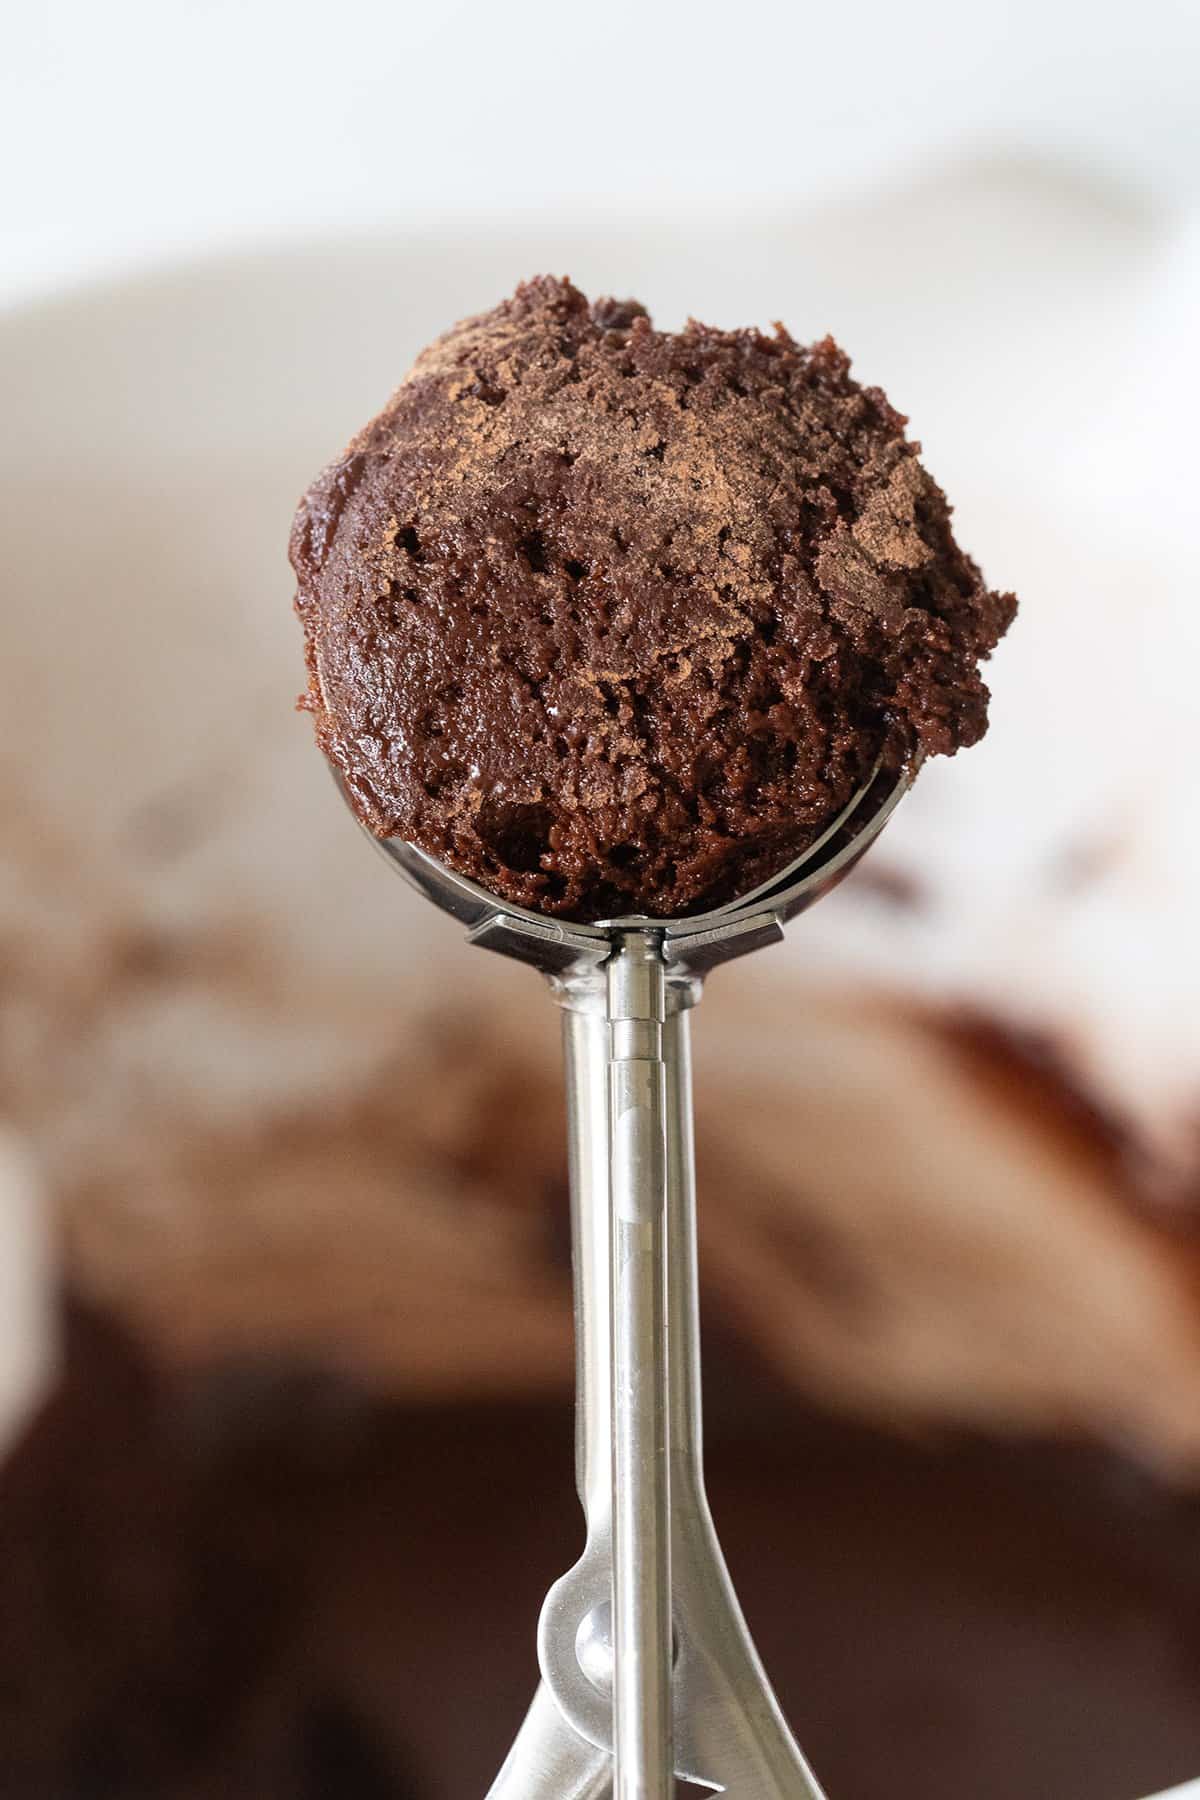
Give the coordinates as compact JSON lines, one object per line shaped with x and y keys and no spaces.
{"x":615,"y":620}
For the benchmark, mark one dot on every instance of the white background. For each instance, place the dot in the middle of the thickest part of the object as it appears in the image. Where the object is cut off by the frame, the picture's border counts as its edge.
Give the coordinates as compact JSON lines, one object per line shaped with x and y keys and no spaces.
{"x":133,"y":129}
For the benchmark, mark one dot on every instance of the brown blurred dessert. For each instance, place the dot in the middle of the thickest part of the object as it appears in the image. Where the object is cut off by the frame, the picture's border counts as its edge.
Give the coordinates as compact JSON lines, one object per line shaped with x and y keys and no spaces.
{"x":324,"y":1250}
{"x":616,"y":620}
{"x":262,"y":1583}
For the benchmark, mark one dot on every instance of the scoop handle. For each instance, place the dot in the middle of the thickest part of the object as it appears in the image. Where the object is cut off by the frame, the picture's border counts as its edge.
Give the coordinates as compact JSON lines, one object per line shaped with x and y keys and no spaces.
{"x":643,"y":1732}
{"x":638,"y":1430}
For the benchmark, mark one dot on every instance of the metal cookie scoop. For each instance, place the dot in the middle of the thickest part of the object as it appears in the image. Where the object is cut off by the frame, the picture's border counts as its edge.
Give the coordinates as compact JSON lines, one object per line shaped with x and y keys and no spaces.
{"x":648,"y":1670}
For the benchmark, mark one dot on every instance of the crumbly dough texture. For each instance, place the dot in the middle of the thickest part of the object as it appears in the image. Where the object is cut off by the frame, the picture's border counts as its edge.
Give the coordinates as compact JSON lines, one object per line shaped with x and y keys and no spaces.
{"x":615,"y":620}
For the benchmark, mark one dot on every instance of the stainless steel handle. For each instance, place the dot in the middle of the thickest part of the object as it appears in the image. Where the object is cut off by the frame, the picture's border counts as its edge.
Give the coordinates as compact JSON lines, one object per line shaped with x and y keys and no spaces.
{"x":728,"y":1729}
{"x":643,"y":1732}
{"x":549,"y":1761}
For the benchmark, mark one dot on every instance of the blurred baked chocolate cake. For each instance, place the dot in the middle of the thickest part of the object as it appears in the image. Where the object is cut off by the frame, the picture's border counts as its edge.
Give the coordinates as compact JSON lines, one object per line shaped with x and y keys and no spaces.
{"x":264,"y":1584}
{"x":282,"y":1171}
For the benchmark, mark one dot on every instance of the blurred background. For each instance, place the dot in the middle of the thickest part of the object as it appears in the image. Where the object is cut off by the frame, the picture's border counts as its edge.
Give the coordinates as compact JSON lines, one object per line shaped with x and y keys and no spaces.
{"x":284,"y":1274}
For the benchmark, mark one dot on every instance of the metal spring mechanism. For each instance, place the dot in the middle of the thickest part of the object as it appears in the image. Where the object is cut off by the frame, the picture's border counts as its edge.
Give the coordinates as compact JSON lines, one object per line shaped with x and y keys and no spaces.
{"x":648,"y":1672}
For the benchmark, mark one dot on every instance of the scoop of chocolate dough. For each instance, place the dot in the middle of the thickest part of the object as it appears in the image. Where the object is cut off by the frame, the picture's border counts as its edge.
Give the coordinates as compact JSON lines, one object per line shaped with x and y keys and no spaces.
{"x":615,"y":620}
